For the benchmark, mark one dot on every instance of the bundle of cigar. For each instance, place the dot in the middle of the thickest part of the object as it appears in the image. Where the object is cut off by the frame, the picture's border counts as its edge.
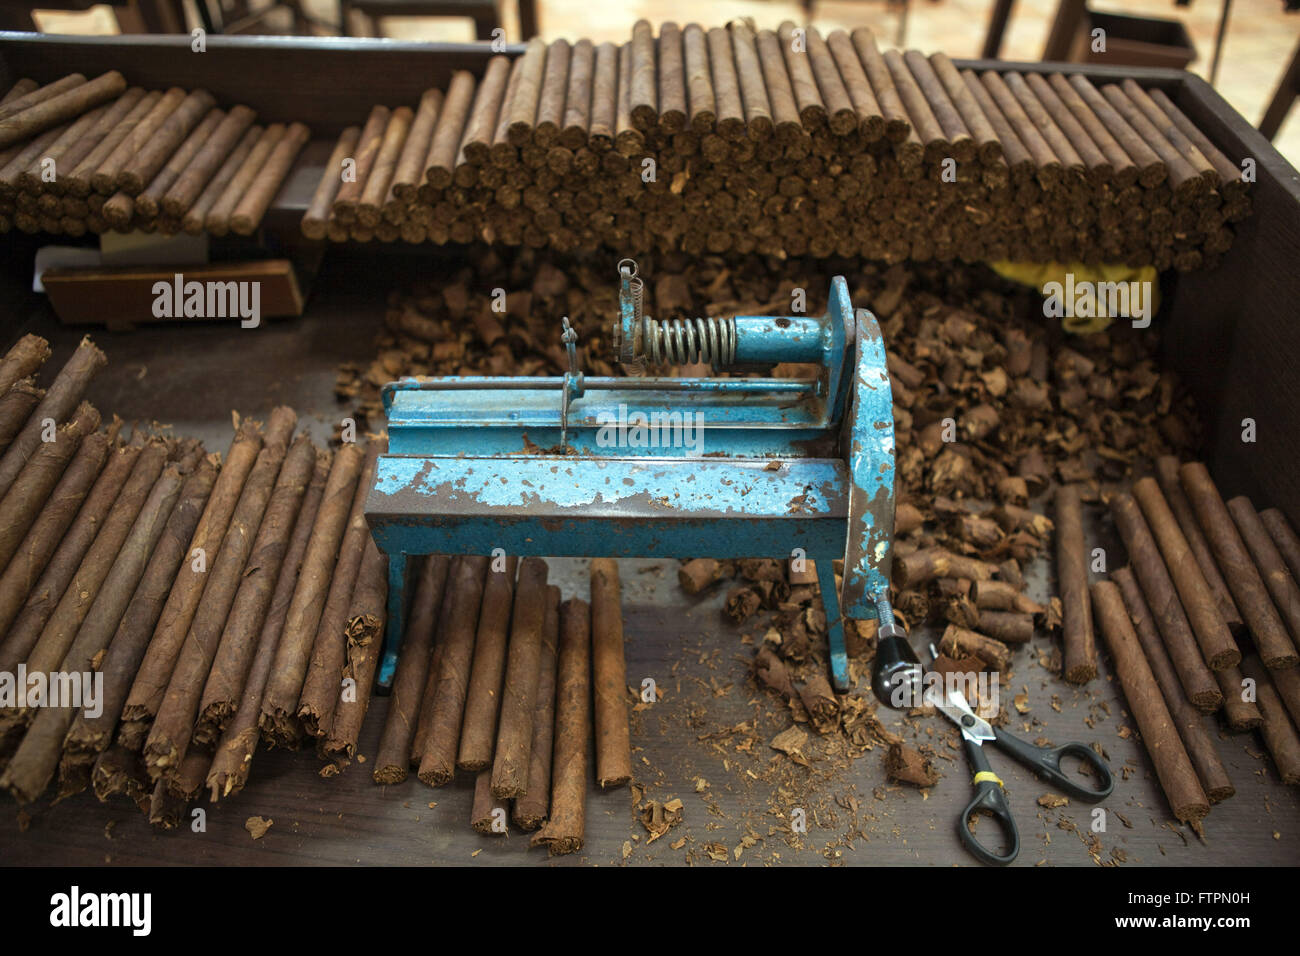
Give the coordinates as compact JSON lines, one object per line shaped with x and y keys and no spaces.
{"x":784,"y":143}
{"x":80,"y":156}
{"x":500,"y":679}
{"x":1204,"y":619}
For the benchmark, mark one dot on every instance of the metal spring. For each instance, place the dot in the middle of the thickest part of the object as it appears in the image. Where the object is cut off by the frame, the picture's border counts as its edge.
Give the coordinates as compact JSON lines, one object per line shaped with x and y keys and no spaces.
{"x":683,"y":341}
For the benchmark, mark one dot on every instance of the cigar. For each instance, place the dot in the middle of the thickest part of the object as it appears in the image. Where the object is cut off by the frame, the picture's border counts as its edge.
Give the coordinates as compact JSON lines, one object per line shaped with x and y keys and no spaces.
{"x":550,"y":100}
{"x":871,"y":120}
{"x":604,"y":98}
{"x":318,"y":211}
{"x":184,"y":192}
{"x":238,"y":644}
{"x":1160,"y":736}
{"x":16,"y":406}
{"x":532,"y":807}
{"x":149,"y":202}
{"x":898,"y":125}
{"x":173,"y":726}
{"x":701,"y":106}
{"x":483,"y":698}
{"x":803,"y":81}
{"x":79,"y":182}
{"x":923,"y":120}
{"x":482,"y":119}
{"x":1162,"y":598}
{"x":643,"y":89}
{"x":1048,"y":167}
{"x":488,"y":813}
{"x":320,"y":689}
{"x":218,"y":221}
{"x":372,"y":134}
{"x":628,"y":140}
{"x":528,"y":91}
{"x":1019,"y":160}
{"x":1078,"y":641}
{"x":1229,"y":173}
{"x":1243,"y":580}
{"x":510,"y":765}
{"x":1191,"y":725}
{"x":15,"y":104}
{"x":266,"y":183}
{"x":918,"y":567}
{"x":18,"y":124}
{"x":59,"y":403}
{"x":278,"y":722}
{"x":393,"y":762}
{"x":413,"y":161}
{"x":23,"y":360}
{"x":365,"y":630}
{"x":163,"y":139}
{"x":1074,"y":135}
{"x":503,"y":154}
{"x":958,"y":642}
{"x":1284,"y":538}
{"x":730,"y":122}
{"x":672,"y":81}
{"x":576,"y":115}
{"x":758,"y":111}
{"x":1123,"y":171}
{"x":119,"y":771}
{"x":1167,"y":475}
{"x":958,"y":111}
{"x":452,"y":114}
{"x":31,"y":178}
{"x":784,"y":109}
{"x":843,"y":117}
{"x":196,"y":216}
{"x":371,"y":200}
{"x":234,"y":754}
{"x":1269,"y":562}
{"x":954,"y":128}
{"x":150,"y":684}
{"x":1184,"y":179}
{"x":441,"y":616}
{"x":438,"y":760}
{"x":1009,"y":627}
{"x":1287,"y":682}
{"x":1002,"y":596}
{"x":1212,"y":634}
{"x":1041,"y":116}
{"x":1279,"y":734}
{"x":563,"y":832}
{"x":609,"y":677}
{"x":1151,"y":168}
{"x":1172,"y":133}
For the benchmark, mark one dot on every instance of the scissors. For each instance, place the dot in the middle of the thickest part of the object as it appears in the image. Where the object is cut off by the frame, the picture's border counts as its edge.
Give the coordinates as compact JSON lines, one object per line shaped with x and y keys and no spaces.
{"x":989,"y":797}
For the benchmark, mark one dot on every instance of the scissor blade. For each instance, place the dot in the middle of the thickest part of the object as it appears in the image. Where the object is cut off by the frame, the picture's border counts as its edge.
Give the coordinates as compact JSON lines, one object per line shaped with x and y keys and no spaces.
{"x":952,"y":704}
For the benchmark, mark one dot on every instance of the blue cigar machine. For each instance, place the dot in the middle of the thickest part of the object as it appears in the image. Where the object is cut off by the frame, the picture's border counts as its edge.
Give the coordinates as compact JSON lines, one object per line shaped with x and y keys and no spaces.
{"x":673,"y":467}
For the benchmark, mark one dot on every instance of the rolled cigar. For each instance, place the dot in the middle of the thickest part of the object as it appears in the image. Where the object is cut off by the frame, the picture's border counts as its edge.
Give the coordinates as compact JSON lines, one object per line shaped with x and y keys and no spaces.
{"x":1216,"y":642}
{"x":27,"y":93}
{"x":238,"y":641}
{"x":1041,"y":117}
{"x":609,"y":677}
{"x":953,"y":126}
{"x":22,"y":504}
{"x":441,"y":616}
{"x":119,"y":211}
{"x":962,"y":102}
{"x":1287,"y":682}
{"x":528,"y":91}
{"x":563,"y":832}
{"x":482,"y":120}
{"x":1162,"y":599}
{"x":105,"y":178}
{"x":1048,"y":164}
{"x":1167,"y":475}
{"x":79,"y":182}
{"x":1009,"y":627}
{"x":318,"y":211}
{"x":452,"y":115}
{"x":19,"y":124}
{"x":478,"y":732}
{"x":119,"y":771}
{"x":90,"y":736}
{"x":643,"y":91}
{"x":730,"y":122}
{"x":803,"y":81}
{"x":1191,"y":725}
{"x":1018,"y":157}
{"x":372,"y":135}
{"x":776,"y":80}
{"x":1002,"y":596}
{"x":929,"y":563}
{"x":412,"y":163}
{"x":922,"y":117}
{"x":320,"y":689}
{"x":150,"y":685}
{"x":438,"y":762}
{"x":701,"y":104}
{"x":33,"y":765}
{"x":531,"y":809}
{"x":871,"y":121}
{"x":898,"y":124}
{"x":1152,"y":170}
{"x":184,"y":192}
{"x":1079,"y":644}
{"x":266,"y":183}
{"x":958,"y":642}
{"x":1248,"y":589}
{"x":628,"y":140}
{"x":149,"y":202}
{"x":1160,"y":736}
{"x":1279,"y":734}
{"x":1124,"y":172}
{"x":234,"y":755}
{"x":1229,"y":173}
{"x":503,"y":154}
{"x":16,"y":406}
{"x":173,"y":726}
{"x":23,"y":360}
{"x":32,"y":179}
{"x":218,"y":221}
{"x":166,"y":808}
{"x":1075,"y":136}
{"x":1269,"y":562}
{"x":672,"y":80}
{"x":1284,"y":538}
{"x":576,"y":116}
{"x":758,"y":111}
{"x":519,"y":692}
{"x":1171,"y":132}
{"x":394,"y":759}
{"x":21,"y":88}
{"x":47,"y":532}
{"x":196,"y":216}
{"x":145,"y":163}
{"x":365,"y":630}
{"x":279,"y":722}
{"x":604,"y":98}
{"x":550,"y":100}
{"x":1184,"y":179}
{"x":842,"y":114}
{"x":1240,"y":712}
{"x":61,"y":399}
{"x":488,"y":814}
{"x":372,"y":196}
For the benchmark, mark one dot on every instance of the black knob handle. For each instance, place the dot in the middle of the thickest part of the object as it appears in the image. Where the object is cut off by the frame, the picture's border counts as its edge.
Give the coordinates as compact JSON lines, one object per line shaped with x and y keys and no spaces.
{"x":896,"y":671}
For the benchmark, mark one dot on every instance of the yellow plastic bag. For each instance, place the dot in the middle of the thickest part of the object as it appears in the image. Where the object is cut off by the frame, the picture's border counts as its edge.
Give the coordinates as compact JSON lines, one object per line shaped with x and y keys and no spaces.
{"x":1088,"y":298}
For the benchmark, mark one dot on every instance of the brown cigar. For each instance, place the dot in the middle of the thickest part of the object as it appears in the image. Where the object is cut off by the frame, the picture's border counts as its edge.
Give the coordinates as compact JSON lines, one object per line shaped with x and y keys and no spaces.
{"x":871,"y":121}
{"x":1019,"y":159}
{"x":1124,"y":171}
{"x":701,"y":104}
{"x":196,"y":217}
{"x":1280,"y":736}
{"x":758,"y":111}
{"x":510,"y":765}
{"x":372,"y":197}
{"x":1074,"y":135}
{"x":604,"y":98}
{"x":1172,"y":133}
{"x":1151,"y":169}
{"x":18,"y":125}
{"x":609,"y":677}
{"x":1048,"y":165}
{"x":785,"y":111}
{"x":79,"y":181}
{"x":476,"y":138}
{"x":189,"y":185}
{"x":318,"y":211}
{"x":149,"y":202}
{"x":530,"y":810}
{"x":13,"y":105}
{"x":577,"y":96}
{"x":726,"y":86}
{"x":898,"y":125}
{"x":140,"y":169}
{"x":1080,"y":645}
{"x":842,"y":115}
{"x":1229,"y":174}
{"x":1270,"y":563}
{"x":1284,"y":537}
{"x":1184,"y":179}
{"x":32,"y":178}
{"x":643,"y":93}
{"x":218,"y":220}
{"x":527,"y":93}
{"x":955,"y":131}
{"x":412,"y":163}
{"x":988,"y":147}
{"x":372,"y":135}
{"x":812,"y":109}
{"x":440,"y":161}
{"x":104,"y":178}
{"x":672,"y":80}
{"x":550,"y":101}
{"x":564,"y":830}
{"x":1071,"y":162}
{"x":483,"y":698}
{"x":1239,"y":710}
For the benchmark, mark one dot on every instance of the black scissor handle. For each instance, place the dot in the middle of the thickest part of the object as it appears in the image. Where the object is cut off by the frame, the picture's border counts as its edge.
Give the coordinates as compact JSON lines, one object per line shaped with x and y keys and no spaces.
{"x":1046,"y":762}
{"x":991,"y":801}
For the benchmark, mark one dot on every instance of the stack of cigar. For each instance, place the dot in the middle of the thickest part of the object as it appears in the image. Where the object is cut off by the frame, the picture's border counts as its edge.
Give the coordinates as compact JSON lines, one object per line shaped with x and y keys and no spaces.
{"x":1205,"y":619}
{"x":784,"y":143}
{"x":80,"y":156}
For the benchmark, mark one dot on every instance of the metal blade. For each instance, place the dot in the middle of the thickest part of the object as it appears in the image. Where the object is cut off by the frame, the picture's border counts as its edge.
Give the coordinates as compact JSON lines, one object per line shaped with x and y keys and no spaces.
{"x":973,"y":727}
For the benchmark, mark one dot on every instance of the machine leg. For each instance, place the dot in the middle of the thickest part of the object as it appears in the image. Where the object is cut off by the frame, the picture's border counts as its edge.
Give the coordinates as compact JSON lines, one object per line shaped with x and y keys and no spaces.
{"x":834,"y":625}
{"x":396,"y":619}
